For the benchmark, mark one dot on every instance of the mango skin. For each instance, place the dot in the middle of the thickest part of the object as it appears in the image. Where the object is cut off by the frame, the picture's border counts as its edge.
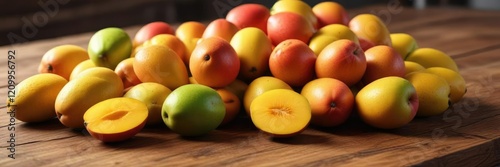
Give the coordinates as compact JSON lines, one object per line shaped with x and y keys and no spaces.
{"x":254,"y":49}
{"x":82,"y":66}
{"x":109,"y":46}
{"x":430,"y":57}
{"x":298,"y":7}
{"x":331,"y":33}
{"x":62,"y":59}
{"x":403,"y":43}
{"x":371,"y":31}
{"x":90,"y":87}
{"x":35,"y":97}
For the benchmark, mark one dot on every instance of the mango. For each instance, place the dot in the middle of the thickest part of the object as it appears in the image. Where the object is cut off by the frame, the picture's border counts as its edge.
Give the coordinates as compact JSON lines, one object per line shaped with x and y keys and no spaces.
{"x":253,"y":49}
{"x":249,"y":15}
{"x":298,"y":7}
{"x":150,"y":30}
{"x":370,"y":30}
{"x":90,"y":87}
{"x":109,"y":46}
{"x":82,"y":66}
{"x":35,"y":97}
{"x":62,"y":59}
{"x":329,"y":34}
{"x":220,"y":28}
{"x":430,"y":57}
{"x":403,"y":43}
{"x":189,"y":33}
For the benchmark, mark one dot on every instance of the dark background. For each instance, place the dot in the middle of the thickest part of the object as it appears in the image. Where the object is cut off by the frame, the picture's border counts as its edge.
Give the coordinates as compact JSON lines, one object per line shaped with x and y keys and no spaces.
{"x":22,"y":21}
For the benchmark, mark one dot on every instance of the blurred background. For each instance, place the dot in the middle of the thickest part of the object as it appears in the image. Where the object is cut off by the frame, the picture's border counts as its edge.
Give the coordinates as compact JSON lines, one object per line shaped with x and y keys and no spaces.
{"x":22,"y":21}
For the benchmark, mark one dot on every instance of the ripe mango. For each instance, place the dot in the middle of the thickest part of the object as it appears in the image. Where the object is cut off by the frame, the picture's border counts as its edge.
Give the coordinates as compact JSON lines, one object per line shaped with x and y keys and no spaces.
{"x":82,"y":92}
{"x":253,"y":48}
{"x":62,"y":59}
{"x":329,"y":34}
{"x":403,"y":43}
{"x":82,"y":66}
{"x":371,"y":31}
{"x":35,"y":97}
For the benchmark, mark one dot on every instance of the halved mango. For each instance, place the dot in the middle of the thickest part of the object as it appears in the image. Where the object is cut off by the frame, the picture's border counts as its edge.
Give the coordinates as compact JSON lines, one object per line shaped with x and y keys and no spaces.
{"x":280,"y":112}
{"x":116,"y":119}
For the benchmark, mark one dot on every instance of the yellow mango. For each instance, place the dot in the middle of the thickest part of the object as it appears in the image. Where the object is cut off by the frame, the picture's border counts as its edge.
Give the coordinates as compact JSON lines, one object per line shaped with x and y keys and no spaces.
{"x":82,"y":92}
{"x":253,"y":48}
{"x":329,"y":34}
{"x":35,"y":97}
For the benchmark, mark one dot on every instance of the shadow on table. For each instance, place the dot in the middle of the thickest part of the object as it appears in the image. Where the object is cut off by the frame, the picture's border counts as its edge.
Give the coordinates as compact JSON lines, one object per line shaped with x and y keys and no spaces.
{"x":461,"y":114}
{"x":138,"y":141}
{"x":302,"y":139}
{"x":49,"y":125}
{"x":468,"y":111}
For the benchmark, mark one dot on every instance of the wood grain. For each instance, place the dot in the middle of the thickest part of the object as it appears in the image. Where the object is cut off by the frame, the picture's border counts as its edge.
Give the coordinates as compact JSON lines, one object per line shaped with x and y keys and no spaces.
{"x":467,"y":134}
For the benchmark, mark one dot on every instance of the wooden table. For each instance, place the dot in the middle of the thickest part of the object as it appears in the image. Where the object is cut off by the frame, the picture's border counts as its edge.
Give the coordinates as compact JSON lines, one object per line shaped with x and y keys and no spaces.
{"x":468,"y":134}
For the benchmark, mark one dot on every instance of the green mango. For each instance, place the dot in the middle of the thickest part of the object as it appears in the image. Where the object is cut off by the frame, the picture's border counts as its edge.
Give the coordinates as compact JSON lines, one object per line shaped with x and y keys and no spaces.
{"x":109,"y":46}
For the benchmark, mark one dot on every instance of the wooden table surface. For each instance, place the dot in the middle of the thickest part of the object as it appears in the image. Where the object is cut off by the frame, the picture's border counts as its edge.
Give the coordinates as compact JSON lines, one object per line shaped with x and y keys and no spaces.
{"x":468,"y":134}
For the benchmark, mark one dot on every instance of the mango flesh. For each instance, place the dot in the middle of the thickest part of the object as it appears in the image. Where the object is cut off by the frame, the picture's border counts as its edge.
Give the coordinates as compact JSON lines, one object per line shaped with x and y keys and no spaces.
{"x":259,"y":86}
{"x":35,"y":97}
{"x":115,"y":119}
{"x":90,"y":87}
{"x":280,"y":112}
